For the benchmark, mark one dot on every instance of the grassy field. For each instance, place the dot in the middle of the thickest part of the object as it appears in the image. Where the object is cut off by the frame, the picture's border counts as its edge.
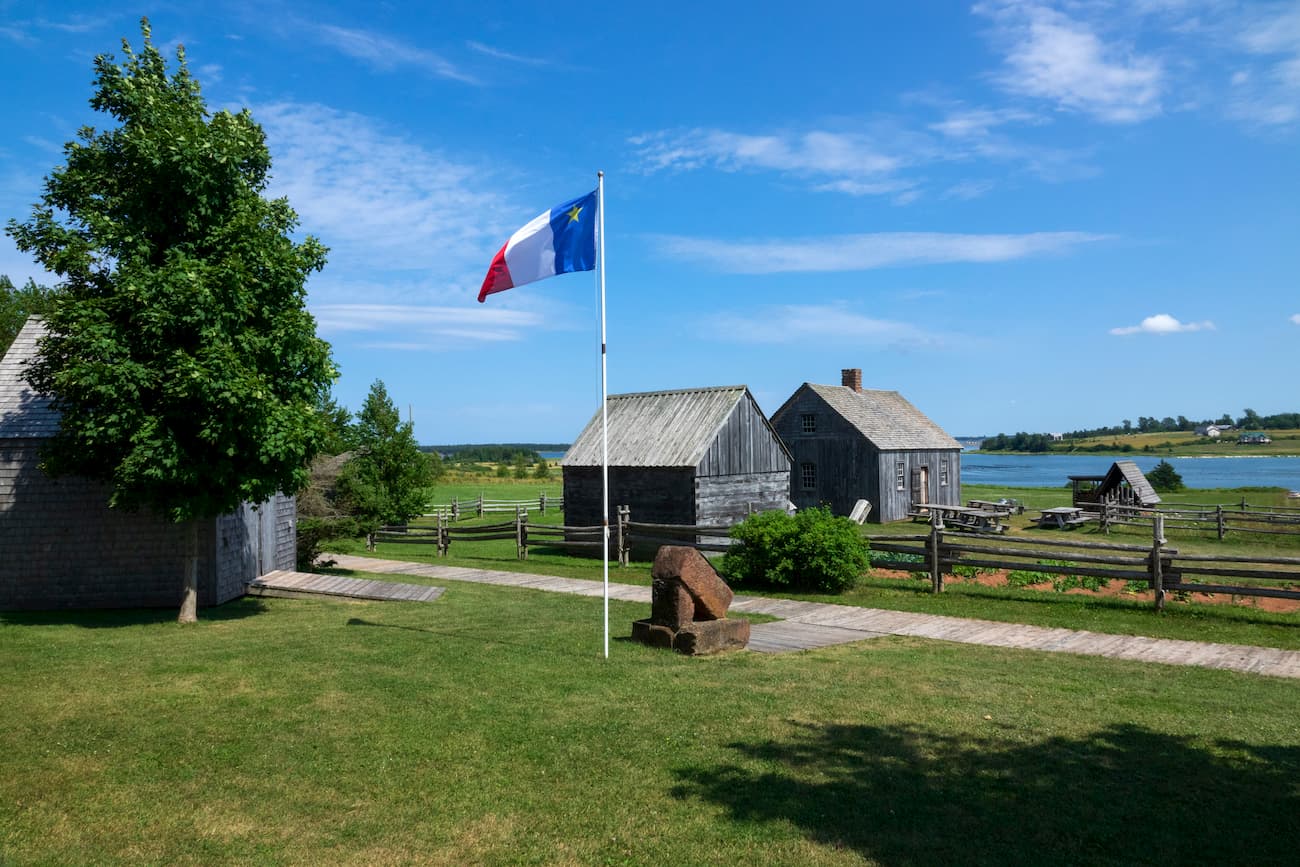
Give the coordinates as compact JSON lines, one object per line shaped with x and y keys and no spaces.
{"x":1285,"y":442}
{"x":485,"y":729}
{"x":1124,"y":615}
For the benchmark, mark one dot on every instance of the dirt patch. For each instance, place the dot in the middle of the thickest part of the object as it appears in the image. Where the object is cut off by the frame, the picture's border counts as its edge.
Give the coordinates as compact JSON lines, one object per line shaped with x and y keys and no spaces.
{"x":1115,"y":588}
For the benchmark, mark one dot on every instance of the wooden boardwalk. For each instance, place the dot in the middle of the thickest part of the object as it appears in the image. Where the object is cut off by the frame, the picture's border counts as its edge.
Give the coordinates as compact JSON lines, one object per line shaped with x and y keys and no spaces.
{"x":300,"y":584}
{"x":806,"y":625}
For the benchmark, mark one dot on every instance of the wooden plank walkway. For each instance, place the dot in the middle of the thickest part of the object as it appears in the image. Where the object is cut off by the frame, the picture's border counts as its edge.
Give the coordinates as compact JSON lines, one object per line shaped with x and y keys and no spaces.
{"x":806,"y":625}
{"x":292,"y":585}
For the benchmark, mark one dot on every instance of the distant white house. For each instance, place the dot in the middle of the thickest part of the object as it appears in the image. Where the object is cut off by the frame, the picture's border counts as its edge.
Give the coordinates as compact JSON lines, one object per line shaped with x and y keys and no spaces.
{"x":1057,"y":437}
{"x":1212,"y":430}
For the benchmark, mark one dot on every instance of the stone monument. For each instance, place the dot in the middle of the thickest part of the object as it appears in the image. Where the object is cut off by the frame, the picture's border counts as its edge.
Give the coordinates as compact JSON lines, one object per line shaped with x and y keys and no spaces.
{"x":688,"y":606}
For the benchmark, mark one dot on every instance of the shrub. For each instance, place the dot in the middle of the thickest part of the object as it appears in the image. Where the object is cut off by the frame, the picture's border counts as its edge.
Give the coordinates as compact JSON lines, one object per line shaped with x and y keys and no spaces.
{"x":814,"y":551}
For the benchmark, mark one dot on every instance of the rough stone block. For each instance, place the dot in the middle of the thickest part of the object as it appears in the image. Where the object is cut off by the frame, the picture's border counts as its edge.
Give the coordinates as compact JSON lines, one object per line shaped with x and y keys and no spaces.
{"x":670,"y":604}
{"x":652,"y":634}
{"x":712,"y":636}
{"x":710,"y":593}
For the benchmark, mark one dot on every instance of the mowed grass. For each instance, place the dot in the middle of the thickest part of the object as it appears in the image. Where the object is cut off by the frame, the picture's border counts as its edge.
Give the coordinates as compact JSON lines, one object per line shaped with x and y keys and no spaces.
{"x":485,"y":728}
{"x":1122,"y":615}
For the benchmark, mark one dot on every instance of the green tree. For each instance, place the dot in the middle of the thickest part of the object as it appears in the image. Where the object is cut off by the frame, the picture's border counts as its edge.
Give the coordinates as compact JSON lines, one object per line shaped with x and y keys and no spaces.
{"x":521,"y":466}
{"x":18,"y":304}
{"x":337,"y":424}
{"x":1164,"y":478}
{"x":503,"y":471}
{"x":542,"y":470}
{"x":385,"y":481}
{"x":180,"y":353}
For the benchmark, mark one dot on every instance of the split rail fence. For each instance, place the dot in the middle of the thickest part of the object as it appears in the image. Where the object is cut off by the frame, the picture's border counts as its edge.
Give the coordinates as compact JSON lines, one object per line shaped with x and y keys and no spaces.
{"x":1221,"y":520}
{"x":454,"y":510}
{"x":1162,"y":568}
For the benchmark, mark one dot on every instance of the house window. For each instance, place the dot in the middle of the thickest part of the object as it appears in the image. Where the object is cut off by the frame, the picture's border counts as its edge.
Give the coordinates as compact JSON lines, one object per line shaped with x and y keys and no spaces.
{"x":808,"y":476}
{"x":900,"y":475}
{"x":943,"y":472}
{"x":808,"y":422}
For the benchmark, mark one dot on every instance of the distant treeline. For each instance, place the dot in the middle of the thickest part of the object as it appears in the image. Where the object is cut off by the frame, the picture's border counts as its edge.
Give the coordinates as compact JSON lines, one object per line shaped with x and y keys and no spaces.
{"x":495,"y":453}
{"x":1042,"y":442}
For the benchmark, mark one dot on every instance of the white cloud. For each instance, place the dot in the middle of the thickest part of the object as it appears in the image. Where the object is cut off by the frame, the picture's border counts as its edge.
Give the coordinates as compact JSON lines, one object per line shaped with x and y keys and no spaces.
{"x":1269,"y":94}
{"x":1052,"y":56}
{"x":438,"y":327}
{"x":816,"y":152}
{"x":378,"y":200}
{"x":865,"y":252}
{"x":1162,"y":323}
{"x":828,"y":323}
{"x":1295,"y":319}
{"x":385,"y":54}
{"x":498,"y":54}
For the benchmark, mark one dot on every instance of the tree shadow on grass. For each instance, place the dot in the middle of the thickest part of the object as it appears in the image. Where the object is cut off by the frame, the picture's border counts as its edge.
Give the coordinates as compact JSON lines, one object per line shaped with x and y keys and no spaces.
{"x":914,"y":796}
{"x":108,"y":618}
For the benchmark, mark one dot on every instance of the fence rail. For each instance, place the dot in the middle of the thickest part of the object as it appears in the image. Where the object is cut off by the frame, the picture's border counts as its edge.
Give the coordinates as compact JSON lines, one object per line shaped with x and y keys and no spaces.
{"x":1162,"y":568}
{"x":1220,"y":519}
{"x":454,"y":510}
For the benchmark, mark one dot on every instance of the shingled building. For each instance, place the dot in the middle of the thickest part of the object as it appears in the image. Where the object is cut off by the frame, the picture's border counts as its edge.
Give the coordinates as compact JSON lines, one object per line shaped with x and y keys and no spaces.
{"x":849,"y":443}
{"x":61,"y":546}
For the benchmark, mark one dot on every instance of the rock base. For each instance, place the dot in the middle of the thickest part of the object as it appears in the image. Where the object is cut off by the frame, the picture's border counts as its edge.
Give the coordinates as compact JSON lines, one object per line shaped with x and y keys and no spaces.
{"x":695,"y":639}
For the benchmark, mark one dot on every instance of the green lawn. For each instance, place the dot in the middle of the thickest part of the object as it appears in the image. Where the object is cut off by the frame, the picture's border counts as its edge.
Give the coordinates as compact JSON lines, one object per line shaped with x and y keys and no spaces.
{"x":485,"y":728}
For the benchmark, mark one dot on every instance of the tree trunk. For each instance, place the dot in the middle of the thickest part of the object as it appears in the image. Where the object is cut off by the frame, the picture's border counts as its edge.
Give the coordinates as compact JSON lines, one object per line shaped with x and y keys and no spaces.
{"x":190,"y":593}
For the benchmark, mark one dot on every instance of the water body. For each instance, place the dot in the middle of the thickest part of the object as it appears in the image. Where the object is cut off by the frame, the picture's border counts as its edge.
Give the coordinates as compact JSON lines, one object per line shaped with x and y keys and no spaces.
{"x":1051,"y":471}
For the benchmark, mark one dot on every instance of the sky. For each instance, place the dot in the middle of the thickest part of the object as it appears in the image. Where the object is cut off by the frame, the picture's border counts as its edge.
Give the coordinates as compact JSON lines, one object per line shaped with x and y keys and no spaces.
{"x":1039,"y":216}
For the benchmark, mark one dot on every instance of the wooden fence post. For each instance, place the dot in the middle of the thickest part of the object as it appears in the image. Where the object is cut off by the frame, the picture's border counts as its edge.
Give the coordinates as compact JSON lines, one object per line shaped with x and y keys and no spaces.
{"x":440,"y":537}
{"x":479,"y":508}
{"x":1218,"y":517}
{"x":521,"y":531}
{"x":1104,"y":517}
{"x":936,"y":539}
{"x":624,"y":513}
{"x":1157,"y":567}
{"x":541,"y":503}
{"x":455,"y":509}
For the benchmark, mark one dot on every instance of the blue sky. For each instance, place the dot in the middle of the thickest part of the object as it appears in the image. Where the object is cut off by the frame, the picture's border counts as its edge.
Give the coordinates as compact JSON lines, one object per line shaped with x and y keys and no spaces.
{"x":1038,"y":216}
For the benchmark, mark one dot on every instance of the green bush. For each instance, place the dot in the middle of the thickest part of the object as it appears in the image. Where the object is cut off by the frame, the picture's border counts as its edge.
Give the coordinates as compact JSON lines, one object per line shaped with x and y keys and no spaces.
{"x":814,"y":551}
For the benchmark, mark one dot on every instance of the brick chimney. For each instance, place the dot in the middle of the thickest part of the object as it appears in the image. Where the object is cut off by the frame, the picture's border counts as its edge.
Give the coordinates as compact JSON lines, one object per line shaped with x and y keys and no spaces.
{"x":851,"y":377}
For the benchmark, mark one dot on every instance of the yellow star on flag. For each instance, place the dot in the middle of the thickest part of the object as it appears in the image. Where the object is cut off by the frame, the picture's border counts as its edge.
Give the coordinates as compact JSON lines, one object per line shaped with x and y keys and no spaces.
{"x":574,"y":212}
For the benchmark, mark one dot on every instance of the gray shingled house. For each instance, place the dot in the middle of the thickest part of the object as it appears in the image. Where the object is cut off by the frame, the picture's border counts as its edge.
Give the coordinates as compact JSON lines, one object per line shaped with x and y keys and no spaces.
{"x":62,"y":547}
{"x":850,"y":444}
{"x":694,"y":456}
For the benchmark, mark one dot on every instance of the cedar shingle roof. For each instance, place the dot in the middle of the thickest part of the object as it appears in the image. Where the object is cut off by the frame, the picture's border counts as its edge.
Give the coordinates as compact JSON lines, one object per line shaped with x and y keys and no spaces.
{"x":1127,"y":471}
{"x":886,"y":418}
{"x":657,"y":428}
{"x":24,"y":414}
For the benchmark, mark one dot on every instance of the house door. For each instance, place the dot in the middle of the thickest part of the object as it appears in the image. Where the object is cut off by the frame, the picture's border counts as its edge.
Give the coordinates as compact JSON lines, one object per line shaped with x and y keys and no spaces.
{"x":266,"y":538}
{"x":920,"y":484}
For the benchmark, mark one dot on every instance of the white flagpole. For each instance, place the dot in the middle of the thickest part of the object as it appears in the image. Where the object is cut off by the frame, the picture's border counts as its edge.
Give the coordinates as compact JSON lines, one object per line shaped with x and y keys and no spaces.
{"x":604,"y":416}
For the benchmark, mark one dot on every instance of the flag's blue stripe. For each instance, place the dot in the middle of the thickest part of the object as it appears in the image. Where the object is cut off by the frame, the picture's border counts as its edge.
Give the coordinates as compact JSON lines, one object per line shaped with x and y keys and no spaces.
{"x":575,"y":241}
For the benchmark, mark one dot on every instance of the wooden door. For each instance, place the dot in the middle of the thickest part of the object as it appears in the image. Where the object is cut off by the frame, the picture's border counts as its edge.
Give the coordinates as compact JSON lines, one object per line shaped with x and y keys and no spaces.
{"x":920,"y":484}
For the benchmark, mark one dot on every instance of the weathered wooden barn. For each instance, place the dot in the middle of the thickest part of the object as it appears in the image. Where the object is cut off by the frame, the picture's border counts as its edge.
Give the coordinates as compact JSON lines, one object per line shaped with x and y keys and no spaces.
{"x":694,"y":456}
{"x":61,"y":546}
{"x":849,"y":443}
{"x":1123,"y":484}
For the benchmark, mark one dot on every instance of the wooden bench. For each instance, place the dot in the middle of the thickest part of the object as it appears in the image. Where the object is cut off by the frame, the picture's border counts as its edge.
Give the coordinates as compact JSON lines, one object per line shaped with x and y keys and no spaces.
{"x":1062,"y":517}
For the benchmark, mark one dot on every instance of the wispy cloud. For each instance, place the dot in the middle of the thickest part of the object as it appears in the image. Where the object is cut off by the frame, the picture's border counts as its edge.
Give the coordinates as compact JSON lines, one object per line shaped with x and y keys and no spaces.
{"x":1269,"y":92}
{"x":1162,"y":323}
{"x":1050,"y":55}
{"x":384,"y":53}
{"x":865,"y":252}
{"x":814,"y":153}
{"x":377,"y":199}
{"x":824,"y":323}
{"x":1295,"y":319}
{"x":497,"y":53}
{"x":436,"y":327}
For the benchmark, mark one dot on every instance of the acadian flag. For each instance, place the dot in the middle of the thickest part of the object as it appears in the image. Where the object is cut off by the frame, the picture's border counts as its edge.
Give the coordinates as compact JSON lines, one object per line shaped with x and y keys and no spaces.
{"x":558,"y":241}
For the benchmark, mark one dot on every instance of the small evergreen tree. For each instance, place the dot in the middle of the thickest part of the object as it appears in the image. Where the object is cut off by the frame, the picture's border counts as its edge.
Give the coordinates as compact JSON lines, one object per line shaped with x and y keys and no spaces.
{"x":385,"y":481}
{"x":542,"y":471}
{"x":521,"y":466}
{"x":1164,"y":478}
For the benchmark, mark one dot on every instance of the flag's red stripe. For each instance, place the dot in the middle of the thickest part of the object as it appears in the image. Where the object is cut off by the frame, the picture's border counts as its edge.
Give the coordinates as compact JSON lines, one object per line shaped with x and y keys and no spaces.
{"x":498,"y":275}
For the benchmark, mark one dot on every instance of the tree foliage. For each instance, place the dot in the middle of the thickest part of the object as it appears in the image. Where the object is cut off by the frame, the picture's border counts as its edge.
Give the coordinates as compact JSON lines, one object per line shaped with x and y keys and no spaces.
{"x":180,"y":353}
{"x":385,"y":481}
{"x":1164,"y":478}
{"x":17,"y":304}
{"x":813,"y":550}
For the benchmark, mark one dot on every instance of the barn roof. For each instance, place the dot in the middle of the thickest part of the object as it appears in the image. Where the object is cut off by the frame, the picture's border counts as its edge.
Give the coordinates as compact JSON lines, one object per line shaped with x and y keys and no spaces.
{"x":886,"y":418}
{"x":1127,"y":471}
{"x":24,"y":414}
{"x":657,"y":428}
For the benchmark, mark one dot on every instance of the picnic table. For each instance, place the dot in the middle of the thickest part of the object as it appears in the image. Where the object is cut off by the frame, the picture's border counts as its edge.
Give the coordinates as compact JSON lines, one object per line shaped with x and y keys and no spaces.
{"x":1062,"y":517}
{"x":963,"y":517}
{"x":1004,"y":507}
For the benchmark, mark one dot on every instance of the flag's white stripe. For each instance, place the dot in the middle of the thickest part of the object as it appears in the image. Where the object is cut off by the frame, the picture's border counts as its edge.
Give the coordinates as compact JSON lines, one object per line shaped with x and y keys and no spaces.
{"x":530,"y":252}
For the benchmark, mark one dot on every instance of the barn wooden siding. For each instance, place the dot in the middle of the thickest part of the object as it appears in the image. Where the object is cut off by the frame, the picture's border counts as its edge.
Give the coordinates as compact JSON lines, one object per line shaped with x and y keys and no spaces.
{"x":850,"y":467}
{"x":679,"y":457}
